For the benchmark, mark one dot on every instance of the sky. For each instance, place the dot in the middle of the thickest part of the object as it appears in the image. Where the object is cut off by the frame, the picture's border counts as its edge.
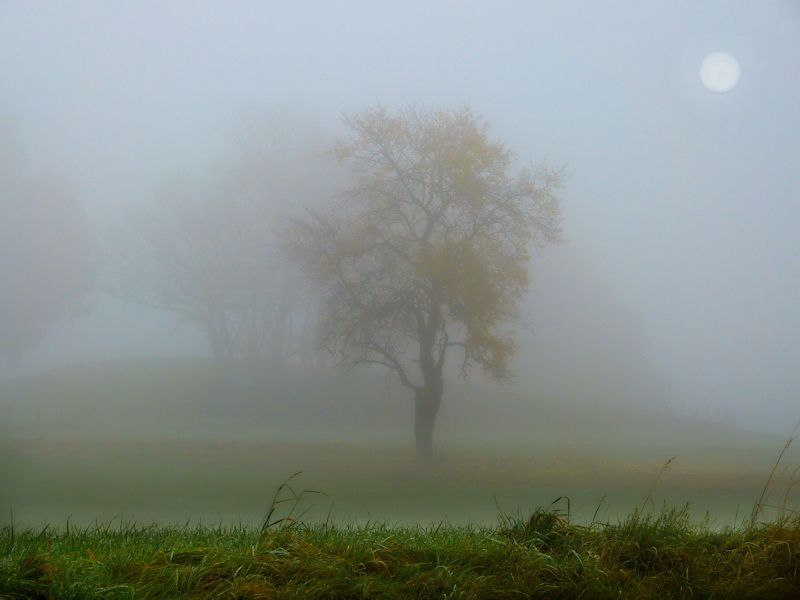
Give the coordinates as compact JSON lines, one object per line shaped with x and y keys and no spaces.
{"x":685,"y":202}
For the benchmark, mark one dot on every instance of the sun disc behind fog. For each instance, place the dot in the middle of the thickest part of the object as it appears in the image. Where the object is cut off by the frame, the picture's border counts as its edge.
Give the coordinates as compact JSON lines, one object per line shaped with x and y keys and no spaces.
{"x":720,"y":72}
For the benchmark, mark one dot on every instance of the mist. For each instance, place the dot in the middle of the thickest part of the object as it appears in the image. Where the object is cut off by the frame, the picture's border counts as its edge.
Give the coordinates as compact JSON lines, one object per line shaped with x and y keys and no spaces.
{"x":167,"y":149}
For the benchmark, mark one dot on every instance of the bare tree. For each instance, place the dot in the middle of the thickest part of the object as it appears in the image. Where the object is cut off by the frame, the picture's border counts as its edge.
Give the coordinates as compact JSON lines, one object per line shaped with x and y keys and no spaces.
{"x":427,"y":251}
{"x":206,"y":252}
{"x":175,"y":258}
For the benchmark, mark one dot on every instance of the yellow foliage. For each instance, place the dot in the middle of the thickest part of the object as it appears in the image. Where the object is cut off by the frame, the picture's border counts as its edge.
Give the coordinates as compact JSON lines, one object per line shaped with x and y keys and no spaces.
{"x":432,"y":239}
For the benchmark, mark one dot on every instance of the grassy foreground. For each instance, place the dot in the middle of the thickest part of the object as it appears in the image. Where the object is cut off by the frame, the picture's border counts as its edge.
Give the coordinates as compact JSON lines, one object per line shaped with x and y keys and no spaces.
{"x":539,"y":556}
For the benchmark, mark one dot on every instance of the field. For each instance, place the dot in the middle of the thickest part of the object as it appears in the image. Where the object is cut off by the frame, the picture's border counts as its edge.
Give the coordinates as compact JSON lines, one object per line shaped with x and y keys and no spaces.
{"x":127,"y":480}
{"x":232,"y":482}
{"x":167,"y":443}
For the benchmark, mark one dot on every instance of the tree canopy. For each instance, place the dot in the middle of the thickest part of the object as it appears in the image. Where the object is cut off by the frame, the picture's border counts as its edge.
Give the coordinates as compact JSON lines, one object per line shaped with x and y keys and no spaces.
{"x":427,"y":250}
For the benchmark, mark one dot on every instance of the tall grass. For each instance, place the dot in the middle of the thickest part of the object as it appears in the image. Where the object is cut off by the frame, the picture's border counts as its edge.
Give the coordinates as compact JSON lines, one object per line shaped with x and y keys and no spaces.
{"x":650,"y":554}
{"x":542,"y":555}
{"x":759,"y":505}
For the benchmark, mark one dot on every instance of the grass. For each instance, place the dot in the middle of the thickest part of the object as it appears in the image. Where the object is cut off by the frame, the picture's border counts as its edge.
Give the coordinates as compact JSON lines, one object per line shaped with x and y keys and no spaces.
{"x":154,"y":481}
{"x":541,"y":555}
{"x":187,"y":398}
{"x":162,"y":441}
{"x":292,"y":548}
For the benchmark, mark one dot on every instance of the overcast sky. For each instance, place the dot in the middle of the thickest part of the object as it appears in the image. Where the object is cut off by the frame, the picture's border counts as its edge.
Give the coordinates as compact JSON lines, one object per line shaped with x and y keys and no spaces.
{"x":686,"y":202}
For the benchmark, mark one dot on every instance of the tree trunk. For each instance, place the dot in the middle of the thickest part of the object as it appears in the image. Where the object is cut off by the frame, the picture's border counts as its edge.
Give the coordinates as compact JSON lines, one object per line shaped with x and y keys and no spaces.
{"x":426,"y":407}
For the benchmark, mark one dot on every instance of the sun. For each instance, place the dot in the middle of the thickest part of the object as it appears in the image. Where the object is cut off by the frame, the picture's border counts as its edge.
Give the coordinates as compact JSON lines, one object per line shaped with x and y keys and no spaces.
{"x":720,"y":72}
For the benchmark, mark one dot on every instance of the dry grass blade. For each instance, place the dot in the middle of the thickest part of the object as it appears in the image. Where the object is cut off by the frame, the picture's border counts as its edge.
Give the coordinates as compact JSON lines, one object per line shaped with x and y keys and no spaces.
{"x":759,"y":505}
{"x":294,"y":498}
{"x":597,"y":510}
{"x":649,"y":497}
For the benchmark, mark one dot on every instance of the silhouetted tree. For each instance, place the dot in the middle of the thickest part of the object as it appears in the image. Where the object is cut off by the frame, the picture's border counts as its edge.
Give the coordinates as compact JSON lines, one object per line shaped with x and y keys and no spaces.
{"x":427,"y":251}
{"x":207,"y":251}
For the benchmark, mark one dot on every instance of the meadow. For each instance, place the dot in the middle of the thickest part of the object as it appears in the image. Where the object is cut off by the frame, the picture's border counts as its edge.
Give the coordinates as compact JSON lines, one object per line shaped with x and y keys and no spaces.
{"x":127,"y":480}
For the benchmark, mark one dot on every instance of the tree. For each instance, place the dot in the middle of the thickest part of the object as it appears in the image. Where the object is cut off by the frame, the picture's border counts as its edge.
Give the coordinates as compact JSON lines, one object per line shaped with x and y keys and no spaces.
{"x":428,"y":250}
{"x":206,"y":250}
{"x":174,"y":258}
{"x":46,"y":260}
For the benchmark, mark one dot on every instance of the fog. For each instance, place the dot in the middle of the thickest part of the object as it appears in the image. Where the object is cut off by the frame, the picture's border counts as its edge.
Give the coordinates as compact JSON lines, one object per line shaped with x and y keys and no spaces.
{"x":671,"y":296}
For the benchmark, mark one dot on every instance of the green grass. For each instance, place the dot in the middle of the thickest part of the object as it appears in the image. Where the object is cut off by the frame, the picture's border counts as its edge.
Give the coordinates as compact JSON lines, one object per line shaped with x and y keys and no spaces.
{"x":543,"y":555}
{"x":129,"y":443}
{"x":168,"y":482}
{"x":166,"y":441}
